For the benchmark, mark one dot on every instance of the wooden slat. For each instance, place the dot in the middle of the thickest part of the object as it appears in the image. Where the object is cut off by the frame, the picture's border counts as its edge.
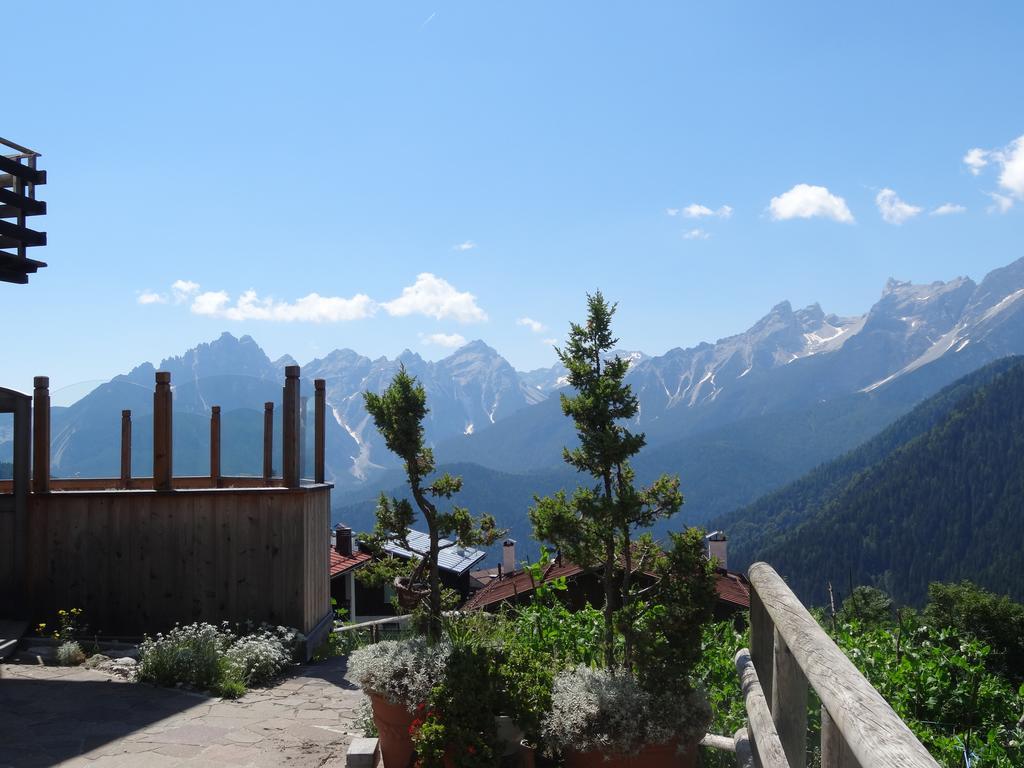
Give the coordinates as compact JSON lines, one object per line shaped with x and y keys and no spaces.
{"x":20,"y":171}
{"x":268,"y":440}
{"x":24,"y":205}
{"x":789,"y":703}
{"x":126,"y":448}
{"x":834,"y":751}
{"x":215,"y":446}
{"x":290,"y":427}
{"x":745,"y":757}
{"x":21,"y":235}
{"x":162,"y":433}
{"x":875,"y":734}
{"x":714,"y":741}
{"x":319,"y":429}
{"x":760,"y":727}
{"x":15,"y":263}
{"x":762,"y":643}
{"x":41,"y":435}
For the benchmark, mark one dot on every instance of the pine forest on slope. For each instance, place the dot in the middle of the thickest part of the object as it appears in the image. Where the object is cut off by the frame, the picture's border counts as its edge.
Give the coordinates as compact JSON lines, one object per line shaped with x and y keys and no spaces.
{"x":935,"y":497}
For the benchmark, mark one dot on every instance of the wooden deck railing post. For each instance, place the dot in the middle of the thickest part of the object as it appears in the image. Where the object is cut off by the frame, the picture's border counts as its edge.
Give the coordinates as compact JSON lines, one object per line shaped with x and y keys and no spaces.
{"x":41,"y":435}
{"x":789,"y":703}
{"x":126,"y":448}
{"x":320,"y":426}
{"x":162,"y":433}
{"x":871,"y":731}
{"x":290,"y":427}
{"x":268,"y":440}
{"x":767,"y":747}
{"x":303,"y":458}
{"x":835,"y":753}
{"x":762,"y":643}
{"x":215,"y":446}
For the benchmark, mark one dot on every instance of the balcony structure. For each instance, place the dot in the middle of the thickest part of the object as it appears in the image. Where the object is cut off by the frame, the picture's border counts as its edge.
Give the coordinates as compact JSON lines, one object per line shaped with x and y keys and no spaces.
{"x":19,"y":178}
{"x":139,"y":554}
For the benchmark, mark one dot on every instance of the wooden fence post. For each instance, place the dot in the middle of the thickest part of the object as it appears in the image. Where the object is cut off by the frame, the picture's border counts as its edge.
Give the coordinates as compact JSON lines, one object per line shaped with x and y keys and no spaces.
{"x":268,"y":440}
{"x":835,"y":752}
{"x":126,"y":448}
{"x":215,"y":446}
{"x":320,"y":425}
{"x":41,"y":435}
{"x":162,"y":433}
{"x":303,"y":458}
{"x":789,"y":703}
{"x":290,"y":427}
{"x":762,"y":643}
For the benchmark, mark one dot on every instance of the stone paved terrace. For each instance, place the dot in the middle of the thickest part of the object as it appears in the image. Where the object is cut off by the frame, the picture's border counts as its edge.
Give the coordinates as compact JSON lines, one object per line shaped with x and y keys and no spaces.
{"x":61,"y":716}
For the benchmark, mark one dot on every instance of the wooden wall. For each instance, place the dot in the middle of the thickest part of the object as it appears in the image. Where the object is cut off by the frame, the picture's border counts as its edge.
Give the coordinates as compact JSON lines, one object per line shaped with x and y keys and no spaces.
{"x":139,"y":561}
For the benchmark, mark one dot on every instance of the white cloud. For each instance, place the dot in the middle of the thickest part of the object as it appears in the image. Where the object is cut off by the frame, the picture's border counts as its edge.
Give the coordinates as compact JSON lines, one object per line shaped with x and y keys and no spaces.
{"x":947,"y":209}
{"x":976,"y":159}
{"x":805,"y":201}
{"x":149,"y":297}
{"x":181,"y":290}
{"x":672,"y":211}
{"x":437,"y":298}
{"x":1010,"y":160}
{"x":468,"y":245}
{"x":894,"y":210}
{"x":312,"y":308}
{"x":696,"y":234}
{"x":534,"y":325}
{"x":698,"y":211}
{"x":550,"y":342}
{"x":1000,"y":203}
{"x":449,"y":340}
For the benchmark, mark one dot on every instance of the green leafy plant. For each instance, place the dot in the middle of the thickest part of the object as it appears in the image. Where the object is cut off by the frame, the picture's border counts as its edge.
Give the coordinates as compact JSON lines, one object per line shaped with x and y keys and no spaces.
{"x":398,"y":414}
{"x":402,"y":671}
{"x":655,"y":602}
{"x":70,"y":654}
{"x":70,"y":625}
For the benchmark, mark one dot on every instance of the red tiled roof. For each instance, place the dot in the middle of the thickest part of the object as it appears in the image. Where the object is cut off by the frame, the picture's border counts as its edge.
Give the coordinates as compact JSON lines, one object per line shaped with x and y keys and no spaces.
{"x":344,"y":563}
{"x":731,"y":587}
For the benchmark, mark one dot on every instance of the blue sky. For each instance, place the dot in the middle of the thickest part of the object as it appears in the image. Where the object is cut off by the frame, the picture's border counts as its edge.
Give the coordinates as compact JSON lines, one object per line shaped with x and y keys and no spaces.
{"x":438,"y":170}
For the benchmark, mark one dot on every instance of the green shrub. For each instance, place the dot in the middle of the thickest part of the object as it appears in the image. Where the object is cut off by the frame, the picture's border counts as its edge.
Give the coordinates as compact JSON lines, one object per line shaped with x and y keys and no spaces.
{"x":257,"y":659}
{"x":191,"y":655}
{"x":70,"y":654}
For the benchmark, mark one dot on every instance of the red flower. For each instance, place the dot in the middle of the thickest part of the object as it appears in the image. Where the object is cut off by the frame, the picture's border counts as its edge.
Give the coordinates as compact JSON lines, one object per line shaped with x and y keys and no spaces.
{"x":470,"y":749}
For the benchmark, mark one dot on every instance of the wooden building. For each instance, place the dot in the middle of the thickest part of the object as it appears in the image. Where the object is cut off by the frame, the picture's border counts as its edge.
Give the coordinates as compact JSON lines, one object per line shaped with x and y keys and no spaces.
{"x":139,"y":554}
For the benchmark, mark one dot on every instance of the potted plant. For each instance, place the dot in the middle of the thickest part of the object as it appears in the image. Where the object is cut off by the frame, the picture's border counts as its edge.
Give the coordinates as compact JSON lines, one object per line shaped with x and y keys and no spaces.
{"x":639,"y":704}
{"x":398,"y":676}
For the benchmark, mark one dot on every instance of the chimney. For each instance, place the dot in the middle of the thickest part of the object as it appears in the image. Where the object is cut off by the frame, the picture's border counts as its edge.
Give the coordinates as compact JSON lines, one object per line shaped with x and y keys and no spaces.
{"x":717,"y":544}
{"x":343,"y":540}
{"x":508,"y":556}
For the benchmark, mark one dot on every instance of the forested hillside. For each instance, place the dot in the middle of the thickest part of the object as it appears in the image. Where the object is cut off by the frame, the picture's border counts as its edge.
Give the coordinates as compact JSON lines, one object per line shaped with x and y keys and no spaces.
{"x":937,"y":496}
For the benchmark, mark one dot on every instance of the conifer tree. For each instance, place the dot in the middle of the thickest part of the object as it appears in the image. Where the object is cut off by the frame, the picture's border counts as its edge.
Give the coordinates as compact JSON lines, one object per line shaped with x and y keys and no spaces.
{"x":595,"y":526}
{"x":398,"y":414}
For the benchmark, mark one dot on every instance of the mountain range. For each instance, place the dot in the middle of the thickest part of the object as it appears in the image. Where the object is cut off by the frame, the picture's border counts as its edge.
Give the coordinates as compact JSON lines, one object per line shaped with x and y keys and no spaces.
{"x":735,"y":419}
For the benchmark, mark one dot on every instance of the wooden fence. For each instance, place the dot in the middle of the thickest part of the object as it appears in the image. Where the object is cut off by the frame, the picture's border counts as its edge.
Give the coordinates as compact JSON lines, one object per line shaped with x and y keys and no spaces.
{"x":139,"y":554}
{"x":791,"y":654}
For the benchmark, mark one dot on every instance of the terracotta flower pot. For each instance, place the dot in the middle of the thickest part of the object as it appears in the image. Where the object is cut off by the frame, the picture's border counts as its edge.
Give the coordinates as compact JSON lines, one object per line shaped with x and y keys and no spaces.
{"x":392,"y":721}
{"x":410,"y":594}
{"x":651,"y":756}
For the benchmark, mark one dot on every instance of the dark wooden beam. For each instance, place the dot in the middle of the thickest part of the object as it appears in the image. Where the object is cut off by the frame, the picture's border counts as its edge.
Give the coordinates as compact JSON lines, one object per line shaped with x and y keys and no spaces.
{"x":12,"y":262}
{"x":23,"y":172}
{"x":22,"y":235}
{"x":10,"y":276}
{"x":28,"y":206}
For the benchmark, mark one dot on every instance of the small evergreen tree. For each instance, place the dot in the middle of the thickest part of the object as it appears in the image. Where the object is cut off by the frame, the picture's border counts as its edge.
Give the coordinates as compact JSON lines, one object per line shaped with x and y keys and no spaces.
{"x":595,"y":527}
{"x":398,"y":414}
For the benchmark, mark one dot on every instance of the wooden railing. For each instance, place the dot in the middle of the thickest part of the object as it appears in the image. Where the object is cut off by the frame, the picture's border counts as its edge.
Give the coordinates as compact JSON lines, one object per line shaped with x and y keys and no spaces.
{"x":789,"y":654}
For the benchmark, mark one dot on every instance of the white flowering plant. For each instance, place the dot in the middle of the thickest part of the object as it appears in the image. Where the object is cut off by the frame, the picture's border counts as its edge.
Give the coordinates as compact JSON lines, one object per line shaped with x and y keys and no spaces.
{"x":602,"y":710}
{"x":257,"y":659}
{"x":402,"y":671}
{"x":70,"y":654}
